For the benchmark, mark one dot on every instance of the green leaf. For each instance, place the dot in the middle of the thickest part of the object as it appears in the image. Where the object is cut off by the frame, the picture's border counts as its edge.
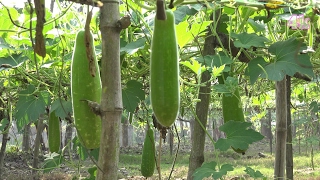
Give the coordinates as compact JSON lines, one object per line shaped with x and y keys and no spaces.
{"x":134,"y":46}
{"x":246,"y":40}
{"x":209,"y":169}
{"x":215,"y":61}
{"x":14,"y":60}
{"x":217,"y":71}
{"x":255,"y":68}
{"x":185,"y":34}
{"x":252,"y":173}
{"x":286,"y":61}
{"x":3,"y":124}
{"x":195,"y":66}
{"x":257,"y":27}
{"x":238,"y":135}
{"x":182,"y":11}
{"x":62,"y":108}
{"x":93,"y":173}
{"x":52,"y":161}
{"x":314,"y":107}
{"x":229,"y":87}
{"x":204,"y":171}
{"x":132,"y":94}
{"x":223,"y":171}
{"x":29,"y":107}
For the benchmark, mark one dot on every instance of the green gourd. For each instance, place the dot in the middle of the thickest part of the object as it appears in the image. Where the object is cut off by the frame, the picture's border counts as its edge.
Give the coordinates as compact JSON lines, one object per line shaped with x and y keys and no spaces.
{"x":148,"y":155}
{"x":54,"y":133}
{"x":85,"y":87}
{"x":164,"y":71}
{"x":232,"y":108}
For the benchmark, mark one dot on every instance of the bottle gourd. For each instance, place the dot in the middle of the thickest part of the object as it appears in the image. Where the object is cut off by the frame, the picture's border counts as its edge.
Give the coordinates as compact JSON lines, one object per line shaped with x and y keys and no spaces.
{"x":164,"y":71}
{"x":85,"y":87}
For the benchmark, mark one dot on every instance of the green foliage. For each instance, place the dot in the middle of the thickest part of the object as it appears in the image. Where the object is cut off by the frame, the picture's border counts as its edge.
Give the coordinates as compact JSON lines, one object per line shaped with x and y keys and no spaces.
{"x":13,"y":60}
{"x":286,"y":61}
{"x":246,"y":40}
{"x":52,"y":161}
{"x":30,"y":106}
{"x":218,"y":60}
{"x":3,"y":124}
{"x":238,"y":135}
{"x":254,"y":174}
{"x":93,"y":173}
{"x":62,"y":108}
{"x":132,"y":94}
{"x":134,"y":46}
{"x":83,"y":152}
{"x":210,"y":169}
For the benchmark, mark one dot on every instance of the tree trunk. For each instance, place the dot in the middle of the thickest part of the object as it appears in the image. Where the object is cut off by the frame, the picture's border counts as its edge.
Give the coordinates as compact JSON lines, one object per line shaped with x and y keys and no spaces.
{"x":67,"y":139}
{"x":26,"y":138}
{"x":198,"y":136}
{"x":36,"y":150}
{"x":289,"y":155}
{"x":111,"y":99}
{"x":125,"y":133}
{"x":271,"y":135}
{"x":266,"y":128}
{"x":5,"y":135}
{"x":281,"y":129}
{"x":202,"y":108}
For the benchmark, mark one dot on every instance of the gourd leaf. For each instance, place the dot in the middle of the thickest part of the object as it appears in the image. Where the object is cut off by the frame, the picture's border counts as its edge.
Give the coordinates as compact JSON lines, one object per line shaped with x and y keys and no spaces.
{"x":61,"y":107}
{"x":93,"y":173}
{"x":195,"y":66}
{"x":254,"y":174}
{"x":29,"y":107}
{"x":215,"y":61}
{"x":209,"y":169}
{"x":238,"y":135}
{"x":246,"y":40}
{"x":134,"y":46}
{"x":132,"y":94}
{"x":3,"y":124}
{"x":286,"y":61}
{"x":181,"y":12}
{"x":14,"y":60}
{"x":52,"y":161}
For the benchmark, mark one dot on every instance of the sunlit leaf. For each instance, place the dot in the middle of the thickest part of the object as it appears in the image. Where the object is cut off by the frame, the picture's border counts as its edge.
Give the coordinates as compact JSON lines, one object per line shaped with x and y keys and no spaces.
{"x":194,"y":65}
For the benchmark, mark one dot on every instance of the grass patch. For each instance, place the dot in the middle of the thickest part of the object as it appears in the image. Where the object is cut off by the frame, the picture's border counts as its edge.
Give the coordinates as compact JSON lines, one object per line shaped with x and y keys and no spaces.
{"x":302,"y":165}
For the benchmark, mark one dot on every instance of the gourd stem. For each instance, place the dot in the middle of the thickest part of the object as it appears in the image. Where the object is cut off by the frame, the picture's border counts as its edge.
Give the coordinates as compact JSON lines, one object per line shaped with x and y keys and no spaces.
{"x":161,"y":12}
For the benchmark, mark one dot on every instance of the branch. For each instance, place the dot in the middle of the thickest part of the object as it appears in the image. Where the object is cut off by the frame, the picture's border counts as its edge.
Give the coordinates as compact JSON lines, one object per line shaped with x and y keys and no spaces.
{"x":94,"y":106}
{"x":94,"y":3}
